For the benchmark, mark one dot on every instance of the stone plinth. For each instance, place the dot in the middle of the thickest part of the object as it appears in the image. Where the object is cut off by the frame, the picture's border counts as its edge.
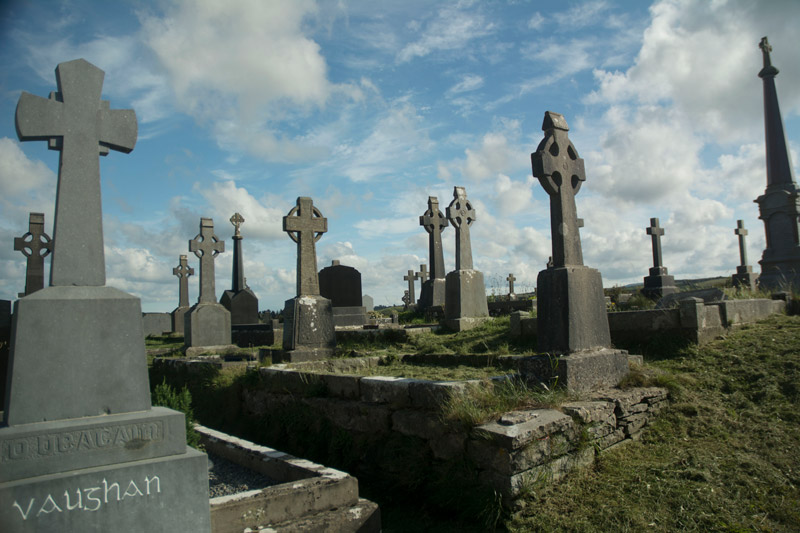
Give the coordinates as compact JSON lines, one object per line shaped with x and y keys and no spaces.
{"x":432,"y":293}
{"x":745,"y":278}
{"x":466,"y":299}
{"x":308,"y":330}
{"x":177,"y":315}
{"x":659,"y":284}
{"x":243,"y":306}
{"x":571,"y":310}
{"x":207,"y":324}
{"x":579,"y":371}
{"x":349,"y":316}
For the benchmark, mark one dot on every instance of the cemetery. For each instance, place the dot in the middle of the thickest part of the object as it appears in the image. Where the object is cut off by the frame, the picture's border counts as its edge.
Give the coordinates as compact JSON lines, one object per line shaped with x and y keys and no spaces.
{"x":339,"y":414}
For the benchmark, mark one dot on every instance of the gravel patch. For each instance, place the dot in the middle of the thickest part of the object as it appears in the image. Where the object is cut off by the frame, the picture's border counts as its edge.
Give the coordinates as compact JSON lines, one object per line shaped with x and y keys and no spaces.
{"x":226,"y":477}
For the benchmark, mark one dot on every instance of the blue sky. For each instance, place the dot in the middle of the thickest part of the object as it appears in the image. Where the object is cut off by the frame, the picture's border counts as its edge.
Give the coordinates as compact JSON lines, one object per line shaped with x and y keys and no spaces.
{"x":370,"y":107}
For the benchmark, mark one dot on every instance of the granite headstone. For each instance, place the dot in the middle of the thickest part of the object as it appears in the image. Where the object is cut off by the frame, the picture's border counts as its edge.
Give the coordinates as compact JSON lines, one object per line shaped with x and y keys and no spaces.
{"x":341,"y":284}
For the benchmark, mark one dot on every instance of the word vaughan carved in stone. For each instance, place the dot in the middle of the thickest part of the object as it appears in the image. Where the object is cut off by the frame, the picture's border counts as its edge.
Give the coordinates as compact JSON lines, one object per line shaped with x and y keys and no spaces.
{"x":779,"y":206}
{"x":432,"y":292}
{"x":308,"y":331}
{"x":182,"y":271}
{"x":78,"y":382}
{"x":744,"y":277}
{"x":240,"y":300}
{"x":35,"y":245}
{"x":465,"y":291}
{"x":659,"y":283}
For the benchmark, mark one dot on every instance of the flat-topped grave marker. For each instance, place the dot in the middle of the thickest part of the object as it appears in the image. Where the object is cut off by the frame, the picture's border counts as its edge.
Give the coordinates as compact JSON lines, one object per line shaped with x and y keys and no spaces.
{"x":182,"y":271}
{"x":308,"y":331}
{"x":744,"y":277}
{"x":465,"y":291}
{"x":341,"y":284}
{"x":81,"y":448}
{"x":35,"y":245}
{"x":432,"y":292}
{"x":659,"y":283}
{"x":240,"y":300}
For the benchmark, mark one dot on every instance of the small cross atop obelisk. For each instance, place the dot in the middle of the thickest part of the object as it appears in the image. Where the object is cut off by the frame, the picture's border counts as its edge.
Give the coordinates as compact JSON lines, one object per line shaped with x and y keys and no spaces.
{"x":207,"y":247}
{"x":461,"y":215}
{"x":183,"y":271}
{"x":434,"y":222}
{"x":35,"y":245}
{"x":305,"y":225}
{"x":410,"y":277}
{"x":238,"y":264}
{"x":741,"y":232}
{"x":81,"y":126}
{"x":561,"y":172}
{"x":511,"y":279}
{"x":656,"y":231}
{"x":422,"y":274}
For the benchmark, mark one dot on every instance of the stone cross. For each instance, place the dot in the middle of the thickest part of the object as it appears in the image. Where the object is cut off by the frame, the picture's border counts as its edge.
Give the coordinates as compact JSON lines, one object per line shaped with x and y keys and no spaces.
{"x":238,"y":282}
{"x":461,"y":215}
{"x":406,"y":299}
{"x":434,"y":222}
{"x":183,"y":271}
{"x":561,"y":173}
{"x":741,"y":232}
{"x":81,"y":126}
{"x":511,"y":279}
{"x":35,"y":245}
{"x":423,"y":273}
{"x":237,"y":220}
{"x":410,"y":277}
{"x":207,"y":247}
{"x":656,"y":232}
{"x":305,"y":225}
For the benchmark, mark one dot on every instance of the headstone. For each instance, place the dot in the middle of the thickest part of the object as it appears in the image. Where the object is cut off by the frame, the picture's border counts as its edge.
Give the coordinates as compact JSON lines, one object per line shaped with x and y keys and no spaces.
{"x":82,"y":448}
{"x":432,"y":292}
{"x":410,"y":277}
{"x":659,"y":283}
{"x":207,"y":323}
{"x":369,"y":302}
{"x":744,"y":277}
{"x":241,"y":301}
{"x":571,"y":308}
{"x":155,"y":324}
{"x":35,"y":245}
{"x":182,"y":271}
{"x":465,"y":295}
{"x":308,"y":329}
{"x":341,"y":284}
{"x":779,"y":206}
{"x":511,"y":279}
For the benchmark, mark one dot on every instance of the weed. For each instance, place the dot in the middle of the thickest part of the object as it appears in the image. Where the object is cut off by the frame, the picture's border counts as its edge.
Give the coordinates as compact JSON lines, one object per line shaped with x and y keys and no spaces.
{"x":166,"y":396}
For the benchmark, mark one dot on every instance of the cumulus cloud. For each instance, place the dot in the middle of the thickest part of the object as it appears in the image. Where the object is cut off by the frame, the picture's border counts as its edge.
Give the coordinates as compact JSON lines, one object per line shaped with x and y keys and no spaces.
{"x":263,"y":217}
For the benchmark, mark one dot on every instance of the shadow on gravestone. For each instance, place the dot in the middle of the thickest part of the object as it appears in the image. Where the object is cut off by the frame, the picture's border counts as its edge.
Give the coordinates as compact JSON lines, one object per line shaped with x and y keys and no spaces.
{"x":82,"y":448}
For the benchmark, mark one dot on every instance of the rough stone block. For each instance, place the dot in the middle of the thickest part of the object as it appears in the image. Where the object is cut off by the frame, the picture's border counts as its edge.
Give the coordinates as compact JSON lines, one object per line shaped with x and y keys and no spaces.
{"x":242,"y":305}
{"x":449,"y":446}
{"x":543,"y":423}
{"x":342,"y":386}
{"x":589,"y":411}
{"x":353,"y":416}
{"x":382,"y":389}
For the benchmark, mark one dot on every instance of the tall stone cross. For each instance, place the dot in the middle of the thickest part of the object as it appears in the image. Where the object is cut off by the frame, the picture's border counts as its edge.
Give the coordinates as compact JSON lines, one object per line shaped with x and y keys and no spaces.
{"x":238,"y":282}
{"x":561,"y":173}
{"x":207,"y":247}
{"x":35,"y":245}
{"x":434,"y":222}
{"x":406,"y":299}
{"x":656,"y":231}
{"x":410,"y":277}
{"x":741,"y":232}
{"x":511,"y":279}
{"x":183,"y":271}
{"x":81,"y":126}
{"x":422,"y":274}
{"x":461,"y":215}
{"x":305,"y":225}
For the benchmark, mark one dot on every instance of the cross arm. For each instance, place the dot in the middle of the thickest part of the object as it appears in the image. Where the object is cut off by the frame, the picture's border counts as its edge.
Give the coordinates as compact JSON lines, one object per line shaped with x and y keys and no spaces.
{"x":37,"y":118}
{"x":118,"y":128}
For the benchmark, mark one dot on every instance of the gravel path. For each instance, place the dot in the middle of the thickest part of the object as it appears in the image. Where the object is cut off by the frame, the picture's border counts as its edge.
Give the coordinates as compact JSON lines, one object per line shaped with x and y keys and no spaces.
{"x":226,"y":478}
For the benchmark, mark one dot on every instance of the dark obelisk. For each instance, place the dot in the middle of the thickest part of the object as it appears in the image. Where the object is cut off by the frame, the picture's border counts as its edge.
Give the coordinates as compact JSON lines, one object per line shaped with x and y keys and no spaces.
{"x":779,"y":206}
{"x":240,"y":300}
{"x":78,"y":417}
{"x":35,"y":245}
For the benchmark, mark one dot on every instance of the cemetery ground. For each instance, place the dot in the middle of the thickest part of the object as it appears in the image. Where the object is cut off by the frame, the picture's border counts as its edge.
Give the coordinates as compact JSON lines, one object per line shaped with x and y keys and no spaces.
{"x":723,"y":456}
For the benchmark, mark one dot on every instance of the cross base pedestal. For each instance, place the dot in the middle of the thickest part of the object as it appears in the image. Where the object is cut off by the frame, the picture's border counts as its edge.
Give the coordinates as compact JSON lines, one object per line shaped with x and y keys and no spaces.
{"x":780,"y":272}
{"x":206,"y":325}
{"x":176,"y":316}
{"x":745,"y":278}
{"x":432,"y":293}
{"x":465,"y":295}
{"x":243,"y":306}
{"x":579,"y":371}
{"x":659,"y":284}
{"x":308,"y":329}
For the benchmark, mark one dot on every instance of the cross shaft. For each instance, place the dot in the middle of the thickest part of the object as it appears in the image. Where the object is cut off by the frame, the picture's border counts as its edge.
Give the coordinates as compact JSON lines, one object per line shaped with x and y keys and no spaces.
{"x":741,"y":232}
{"x":461,"y":215}
{"x":183,"y":271}
{"x":305,"y":225}
{"x":434,"y":223}
{"x":207,"y":247}
{"x":656,"y":231}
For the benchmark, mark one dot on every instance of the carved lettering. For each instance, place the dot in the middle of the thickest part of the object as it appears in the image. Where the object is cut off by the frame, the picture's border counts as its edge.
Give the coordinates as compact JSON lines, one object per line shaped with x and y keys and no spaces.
{"x":107,"y":490}
{"x":46,"y":445}
{"x":24,"y":513}
{"x":53,"y":506}
{"x":89,"y":497}
{"x":65,"y":442}
{"x":73,"y":507}
{"x":154,"y":478}
{"x":135,"y":488}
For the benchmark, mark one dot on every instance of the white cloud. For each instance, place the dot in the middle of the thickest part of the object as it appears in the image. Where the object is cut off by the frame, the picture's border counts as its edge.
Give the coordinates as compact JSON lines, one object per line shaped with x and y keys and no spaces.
{"x":536,"y":21}
{"x":18,"y":174}
{"x":451,"y":29}
{"x":582,"y":15}
{"x":261,"y":222}
{"x":469,"y":82}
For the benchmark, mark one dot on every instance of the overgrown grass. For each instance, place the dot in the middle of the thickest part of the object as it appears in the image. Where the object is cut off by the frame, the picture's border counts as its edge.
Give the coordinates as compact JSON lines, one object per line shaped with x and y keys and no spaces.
{"x":166,"y":396}
{"x":723,"y":457}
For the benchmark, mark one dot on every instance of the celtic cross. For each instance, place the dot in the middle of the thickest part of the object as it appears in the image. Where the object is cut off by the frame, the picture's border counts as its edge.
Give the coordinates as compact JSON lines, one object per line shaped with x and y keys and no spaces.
{"x":305,"y":225}
{"x":35,"y":245}
{"x":461,"y":215}
{"x":434,"y":222}
{"x":183,"y":271}
{"x":207,"y":247}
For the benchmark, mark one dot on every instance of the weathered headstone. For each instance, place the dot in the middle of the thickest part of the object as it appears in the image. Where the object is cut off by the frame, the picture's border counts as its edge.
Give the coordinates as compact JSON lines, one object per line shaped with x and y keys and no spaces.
{"x":410,"y":277}
{"x":570,"y":305}
{"x":206,"y":324}
{"x":779,"y":206}
{"x":182,"y":271}
{"x":659,"y":283}
{"x":465,"y":292}
{"x":511,"y":279}
{"x":432,"y":292}
{"x":341,"y":284}
{"x":35,"y":245}
{"x":240,"y":300}
{"x":369,"y":302}
{"x":81,"y":447}
{"x":744,"y":277}
{"x":308,"y":329}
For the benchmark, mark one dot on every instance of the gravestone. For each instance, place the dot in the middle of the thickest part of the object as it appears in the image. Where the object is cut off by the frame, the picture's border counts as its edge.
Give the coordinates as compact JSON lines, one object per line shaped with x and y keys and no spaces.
{"x":571,"y":308}
{"x":207,"y":324}
{"x":465,"y":292}
{"x":341,"y":284}
{"x":35,"y":245}
{"x":182,"y":271}
{"x":779,"y":206}
{"x":81,"y":448}
{"x":156,"y":324}
{"x":744,"y":277}
{"x":241,"y":301}
{"x":511,"y":279}
{"x":432,"y":292}
{"x":369,"y":302}
{"x":659,"y":283}
{"x":308,"y":330}
{"x":410,"y":277}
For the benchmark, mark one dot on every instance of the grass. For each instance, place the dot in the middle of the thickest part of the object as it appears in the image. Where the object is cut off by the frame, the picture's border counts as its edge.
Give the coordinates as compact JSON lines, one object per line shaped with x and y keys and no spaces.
{"x":433,"y":372}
